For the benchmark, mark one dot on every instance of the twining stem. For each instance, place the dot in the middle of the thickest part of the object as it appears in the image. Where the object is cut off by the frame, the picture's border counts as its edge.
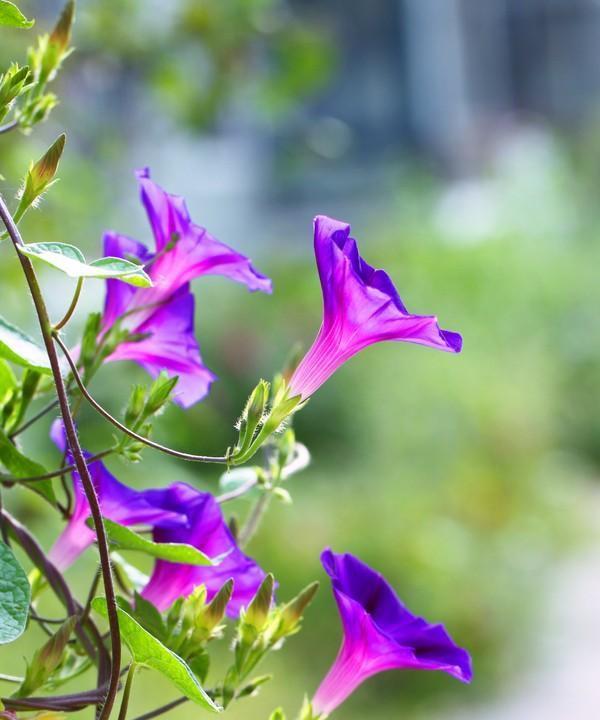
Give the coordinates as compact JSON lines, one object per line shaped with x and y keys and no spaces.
{"x":162,"y":709}
{"x":123,"y":428}
{"x":127,"y":691}
{"x":78,"y":458}
{"x":71,"y":309}
{"x":54,"y":473}
{"x":56,"y":581}
{"x":32,"y":420}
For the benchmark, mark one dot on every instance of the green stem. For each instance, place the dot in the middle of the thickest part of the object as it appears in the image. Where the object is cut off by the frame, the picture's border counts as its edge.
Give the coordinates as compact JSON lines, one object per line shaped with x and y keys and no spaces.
{"x":253,"y":523}
{"x":78,"y":457}
{"x":71,"y":309}
{"x":127,"y":691}
{"x":11,"y":678}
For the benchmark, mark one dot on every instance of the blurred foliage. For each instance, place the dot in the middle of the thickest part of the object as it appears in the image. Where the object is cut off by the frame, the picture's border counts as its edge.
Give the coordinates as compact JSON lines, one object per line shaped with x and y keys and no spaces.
{"x":463,"y":479}
{"x":196,"y":56}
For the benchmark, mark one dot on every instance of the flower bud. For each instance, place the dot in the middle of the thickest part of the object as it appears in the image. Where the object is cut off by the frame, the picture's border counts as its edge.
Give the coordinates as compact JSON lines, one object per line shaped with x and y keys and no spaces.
{"x":46,"y":659}
{"x":291,"y":614}
{"x":253,"y":414}
{"x":61,"y":35}
{"x":40,"y":176}
{"x":257,"y":612}
{"x":159,"y":393}
{"x":215,"y":610}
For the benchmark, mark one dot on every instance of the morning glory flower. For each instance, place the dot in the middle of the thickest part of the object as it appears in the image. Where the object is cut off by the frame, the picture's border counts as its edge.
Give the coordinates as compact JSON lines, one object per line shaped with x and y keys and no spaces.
{"x":361,"y":306}
{"x":206,"y":530}
{"x":118,"y":502}
{"x":163,"y":315}
{"x":380,"y":634}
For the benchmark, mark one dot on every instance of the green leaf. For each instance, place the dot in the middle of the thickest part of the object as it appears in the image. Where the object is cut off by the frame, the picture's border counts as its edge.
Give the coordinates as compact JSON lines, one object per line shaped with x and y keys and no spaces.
{"x":149,"y":617}
{"x":8,"y":382}
{"x":71,"y":261}
{"x":21,"y":466}
{"x":147,"y":650}
{"x":126,"y":539}
{"x":15,"y":595}
{"x":11,"y":15}
{"x":19,"y":348}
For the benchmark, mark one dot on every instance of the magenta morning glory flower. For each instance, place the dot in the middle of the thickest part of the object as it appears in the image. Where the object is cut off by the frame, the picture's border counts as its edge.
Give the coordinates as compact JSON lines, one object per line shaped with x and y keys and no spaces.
{"x":360,"y":307}
{"x":117,"y":501}
{"x":206,"y":530}
{"x":164,"y":313}
{"x":380,"y":634}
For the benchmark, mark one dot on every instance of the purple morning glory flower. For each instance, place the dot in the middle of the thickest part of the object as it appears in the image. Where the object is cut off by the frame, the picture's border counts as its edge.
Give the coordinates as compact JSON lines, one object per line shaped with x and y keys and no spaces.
{"x":117,"y":501}
{"x":380,"y":634}
{"x":206,"y":530}
{"x":360,"y":307}
{"x":165,"y":312}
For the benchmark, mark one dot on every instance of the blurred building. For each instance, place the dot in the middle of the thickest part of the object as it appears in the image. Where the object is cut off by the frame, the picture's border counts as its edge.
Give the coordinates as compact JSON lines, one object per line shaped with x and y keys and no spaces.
{"x":440,"y":76}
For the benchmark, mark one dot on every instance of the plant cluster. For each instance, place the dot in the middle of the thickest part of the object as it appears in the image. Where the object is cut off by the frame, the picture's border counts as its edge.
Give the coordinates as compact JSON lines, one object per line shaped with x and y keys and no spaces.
{"x":203,"y":586}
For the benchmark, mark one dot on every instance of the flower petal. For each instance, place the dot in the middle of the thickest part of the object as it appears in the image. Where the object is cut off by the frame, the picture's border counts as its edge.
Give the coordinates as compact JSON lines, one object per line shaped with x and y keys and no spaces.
{"x":361,"y":306}
{"x":380,"y":634}
{"x":118,"y":502}
{"x":119,"y":295}
{"x":171,"y":346}
{"x":195,"y":251}
{"x":207,"y":531}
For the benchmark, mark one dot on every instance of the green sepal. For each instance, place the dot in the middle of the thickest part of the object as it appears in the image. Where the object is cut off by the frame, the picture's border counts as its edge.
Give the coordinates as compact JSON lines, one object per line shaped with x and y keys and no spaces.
{"x":40,"y":176}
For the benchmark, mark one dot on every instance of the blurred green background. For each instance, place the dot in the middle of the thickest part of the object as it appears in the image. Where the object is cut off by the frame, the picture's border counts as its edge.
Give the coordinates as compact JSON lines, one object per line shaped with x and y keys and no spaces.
{"x":468,"y":168}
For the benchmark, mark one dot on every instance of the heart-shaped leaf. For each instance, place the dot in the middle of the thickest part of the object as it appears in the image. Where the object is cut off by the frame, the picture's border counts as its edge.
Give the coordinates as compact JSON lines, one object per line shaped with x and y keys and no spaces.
{"x":147,"y":650}
{"x":11,"y":15}
{"x":126,"y":539}
{"x":15,"y":595}
{"x":18,"y":347}
{"x":71,"y":261}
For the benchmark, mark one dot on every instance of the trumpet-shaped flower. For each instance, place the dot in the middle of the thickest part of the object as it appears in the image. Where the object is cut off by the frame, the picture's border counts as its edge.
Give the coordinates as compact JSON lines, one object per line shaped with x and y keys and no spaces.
{"x":117,"y":502}
{"x":361,"y":306}
{"x":206,"y":530}
{"x":380,"y":634}
{"x":163,"y":315}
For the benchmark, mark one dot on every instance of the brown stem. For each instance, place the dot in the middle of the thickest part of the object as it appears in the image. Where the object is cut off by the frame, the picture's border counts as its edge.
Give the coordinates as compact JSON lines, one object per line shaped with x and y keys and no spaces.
{"x":44,"y":411}
{"x":123,"y":428}
{"x":162,"y":709}
{"x":54,"y":473}
{"x":78,"y":457}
